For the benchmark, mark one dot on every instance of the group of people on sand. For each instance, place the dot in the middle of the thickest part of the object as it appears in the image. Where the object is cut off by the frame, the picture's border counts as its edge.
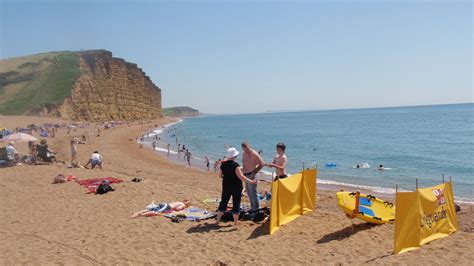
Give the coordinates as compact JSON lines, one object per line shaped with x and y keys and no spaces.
{"x":233,"y":176}
{"x":38,"y":154}
{"x":95,"y":160}
{"x":42,"y":154}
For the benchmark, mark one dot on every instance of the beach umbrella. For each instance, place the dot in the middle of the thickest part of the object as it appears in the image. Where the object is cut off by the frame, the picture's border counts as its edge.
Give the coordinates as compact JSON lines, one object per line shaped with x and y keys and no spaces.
{"x":21,"y":137}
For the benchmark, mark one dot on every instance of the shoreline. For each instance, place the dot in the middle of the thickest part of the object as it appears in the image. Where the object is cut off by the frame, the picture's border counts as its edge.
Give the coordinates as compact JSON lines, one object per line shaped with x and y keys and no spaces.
{"x":323,"y":184}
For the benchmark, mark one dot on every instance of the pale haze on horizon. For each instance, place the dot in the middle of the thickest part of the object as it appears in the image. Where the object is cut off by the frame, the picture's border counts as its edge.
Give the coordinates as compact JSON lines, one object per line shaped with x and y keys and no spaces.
{"x":256,"y":56}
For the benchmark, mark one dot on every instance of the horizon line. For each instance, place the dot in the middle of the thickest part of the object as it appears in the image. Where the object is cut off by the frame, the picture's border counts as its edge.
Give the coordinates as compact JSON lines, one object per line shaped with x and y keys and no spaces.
{"x":331,"y":109}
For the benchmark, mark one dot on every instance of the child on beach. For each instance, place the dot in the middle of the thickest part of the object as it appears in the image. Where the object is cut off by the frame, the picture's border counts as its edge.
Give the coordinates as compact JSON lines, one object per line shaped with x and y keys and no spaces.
{"x":168,"y":147}
{"x":154,"y":209}
{"x":74,"y":153}
{"x":279,"y":162}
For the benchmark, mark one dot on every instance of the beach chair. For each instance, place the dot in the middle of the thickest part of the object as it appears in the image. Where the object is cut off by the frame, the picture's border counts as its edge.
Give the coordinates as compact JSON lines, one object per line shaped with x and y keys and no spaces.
{"x":3,"y":154}
{"x":4,"y":161}
{"x":42,"y":153}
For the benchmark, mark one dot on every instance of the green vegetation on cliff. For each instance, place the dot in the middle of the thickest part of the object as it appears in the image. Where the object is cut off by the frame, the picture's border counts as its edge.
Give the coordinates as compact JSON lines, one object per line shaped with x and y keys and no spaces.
{"x":27,"y":83}
{"x":180,"y":111}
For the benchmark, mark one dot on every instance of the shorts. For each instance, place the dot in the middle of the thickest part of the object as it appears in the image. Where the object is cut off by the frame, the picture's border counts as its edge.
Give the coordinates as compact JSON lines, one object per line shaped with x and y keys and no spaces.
{"x":162,"y":207}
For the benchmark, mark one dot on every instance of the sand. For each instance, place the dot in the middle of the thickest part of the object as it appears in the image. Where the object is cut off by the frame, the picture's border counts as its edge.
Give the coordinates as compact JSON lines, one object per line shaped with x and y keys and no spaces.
{"x":42,"y":223}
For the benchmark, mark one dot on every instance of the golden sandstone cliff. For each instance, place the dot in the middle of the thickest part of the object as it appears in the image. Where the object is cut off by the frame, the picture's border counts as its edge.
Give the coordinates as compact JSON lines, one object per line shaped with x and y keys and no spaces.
{"x":86,"y":85}
{"x":110,"y":88}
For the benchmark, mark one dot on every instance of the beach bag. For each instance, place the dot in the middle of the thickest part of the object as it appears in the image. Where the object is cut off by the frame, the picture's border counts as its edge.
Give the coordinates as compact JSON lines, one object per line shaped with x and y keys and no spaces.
{"x":103,"y":188}
{"x":261,"y":214}
{"x":227,"y":217}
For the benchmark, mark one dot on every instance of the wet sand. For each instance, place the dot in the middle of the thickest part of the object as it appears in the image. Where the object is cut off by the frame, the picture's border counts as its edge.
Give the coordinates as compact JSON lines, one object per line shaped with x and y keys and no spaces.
{"x":45,"y":224}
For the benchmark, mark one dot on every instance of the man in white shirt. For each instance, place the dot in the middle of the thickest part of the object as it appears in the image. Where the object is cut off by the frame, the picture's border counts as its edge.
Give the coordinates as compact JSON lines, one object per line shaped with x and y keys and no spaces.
{"x":11,"y":151}
{"x":95,"y":160}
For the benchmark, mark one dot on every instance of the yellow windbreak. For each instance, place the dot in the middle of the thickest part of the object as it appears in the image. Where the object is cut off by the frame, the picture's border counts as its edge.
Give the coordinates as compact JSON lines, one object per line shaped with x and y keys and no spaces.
{"x":292,"y":197}
{"x":423,"y":216}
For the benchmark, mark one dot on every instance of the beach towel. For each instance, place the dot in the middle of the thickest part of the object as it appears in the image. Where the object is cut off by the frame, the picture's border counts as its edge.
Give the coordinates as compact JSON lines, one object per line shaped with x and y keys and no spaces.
{"x":92,"y":183}
{"x":192,"y":214}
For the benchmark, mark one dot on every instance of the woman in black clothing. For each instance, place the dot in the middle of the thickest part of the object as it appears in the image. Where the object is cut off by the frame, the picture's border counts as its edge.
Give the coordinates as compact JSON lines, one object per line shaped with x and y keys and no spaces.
{"x":232,"y":178}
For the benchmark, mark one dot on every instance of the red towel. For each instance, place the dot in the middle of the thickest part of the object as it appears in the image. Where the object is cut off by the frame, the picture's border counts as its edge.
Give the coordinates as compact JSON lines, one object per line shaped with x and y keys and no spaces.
{"x":92,"y":183}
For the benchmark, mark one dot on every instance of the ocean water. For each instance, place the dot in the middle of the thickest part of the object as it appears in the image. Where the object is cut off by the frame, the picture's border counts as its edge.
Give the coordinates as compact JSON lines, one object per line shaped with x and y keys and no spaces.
{"x":411,"y":142}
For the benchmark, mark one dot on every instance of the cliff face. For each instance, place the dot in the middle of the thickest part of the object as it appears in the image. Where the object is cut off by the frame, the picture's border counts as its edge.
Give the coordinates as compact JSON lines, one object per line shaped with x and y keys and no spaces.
{"x":180,"y":111}
{"x":85,"y":85}
{"x":110,"y":88}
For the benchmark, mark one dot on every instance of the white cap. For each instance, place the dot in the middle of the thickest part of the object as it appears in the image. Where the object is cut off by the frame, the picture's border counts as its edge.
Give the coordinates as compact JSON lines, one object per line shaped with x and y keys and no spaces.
{"x":232,"y":152}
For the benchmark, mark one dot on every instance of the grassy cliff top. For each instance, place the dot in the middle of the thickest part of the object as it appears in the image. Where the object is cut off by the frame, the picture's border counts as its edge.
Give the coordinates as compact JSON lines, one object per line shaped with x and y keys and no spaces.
{"x":179,"y":111}
{"x":30,"y":81}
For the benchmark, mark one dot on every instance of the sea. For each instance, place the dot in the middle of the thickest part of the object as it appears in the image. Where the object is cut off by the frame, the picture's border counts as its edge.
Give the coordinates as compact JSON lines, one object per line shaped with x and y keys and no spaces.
{"x":421,"y":143}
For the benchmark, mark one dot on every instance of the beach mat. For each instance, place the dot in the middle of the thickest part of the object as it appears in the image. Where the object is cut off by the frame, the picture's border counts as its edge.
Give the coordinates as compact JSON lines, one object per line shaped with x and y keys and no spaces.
{"x":192,"y":214}
{"x":92,"y":183}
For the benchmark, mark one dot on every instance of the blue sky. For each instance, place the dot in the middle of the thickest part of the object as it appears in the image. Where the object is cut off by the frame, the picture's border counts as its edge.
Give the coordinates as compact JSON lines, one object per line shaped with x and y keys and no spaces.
{"x":255,"y":56}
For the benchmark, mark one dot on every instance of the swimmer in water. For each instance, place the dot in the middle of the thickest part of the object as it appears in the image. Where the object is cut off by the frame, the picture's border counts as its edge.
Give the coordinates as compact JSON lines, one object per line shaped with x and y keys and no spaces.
{"x":381,"y":167}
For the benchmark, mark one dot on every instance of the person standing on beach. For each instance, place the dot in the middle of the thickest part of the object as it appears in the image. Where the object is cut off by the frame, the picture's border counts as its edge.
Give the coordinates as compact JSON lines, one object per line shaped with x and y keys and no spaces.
{"x":252,"y":163}
{"x":154,"y":145}
{"x":74,"y":162}
{"x":208,"y":163}
{"x":232,"y":178}
{"x":279,"y":162}
{"x":179,"y":150}
{"x":188,"y":156}
{"x":184,"y":150}
{"x":168,"y":147}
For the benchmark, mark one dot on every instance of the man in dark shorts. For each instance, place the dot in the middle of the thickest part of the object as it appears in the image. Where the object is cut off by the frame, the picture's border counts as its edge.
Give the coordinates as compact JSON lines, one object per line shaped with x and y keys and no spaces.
{"x":252,"y":163}
{"x":279,"y":162}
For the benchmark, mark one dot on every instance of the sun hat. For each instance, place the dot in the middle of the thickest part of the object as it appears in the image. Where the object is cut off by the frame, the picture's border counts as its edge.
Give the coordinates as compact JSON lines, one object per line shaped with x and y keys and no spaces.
{"x":232,"y":152}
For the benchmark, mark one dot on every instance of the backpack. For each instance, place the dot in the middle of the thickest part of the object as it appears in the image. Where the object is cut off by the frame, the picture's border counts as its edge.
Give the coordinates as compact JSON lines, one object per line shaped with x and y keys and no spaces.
{"x":103,"y":188}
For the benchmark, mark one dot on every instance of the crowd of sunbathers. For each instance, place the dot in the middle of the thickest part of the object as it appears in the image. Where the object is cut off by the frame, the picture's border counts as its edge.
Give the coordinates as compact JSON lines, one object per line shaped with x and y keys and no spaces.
{"x":41,"y":153}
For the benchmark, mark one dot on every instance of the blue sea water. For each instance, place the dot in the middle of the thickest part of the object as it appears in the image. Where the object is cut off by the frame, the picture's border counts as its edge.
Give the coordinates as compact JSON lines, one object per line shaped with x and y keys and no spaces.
{"x":413,"y":142}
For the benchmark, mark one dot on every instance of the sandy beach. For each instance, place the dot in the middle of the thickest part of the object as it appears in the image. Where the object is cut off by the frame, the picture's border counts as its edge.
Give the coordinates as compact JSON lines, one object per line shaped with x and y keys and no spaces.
{"x":43,"y":223}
